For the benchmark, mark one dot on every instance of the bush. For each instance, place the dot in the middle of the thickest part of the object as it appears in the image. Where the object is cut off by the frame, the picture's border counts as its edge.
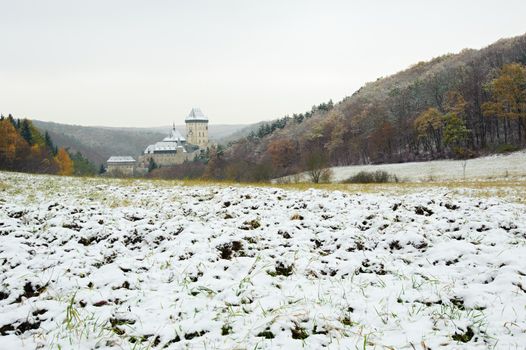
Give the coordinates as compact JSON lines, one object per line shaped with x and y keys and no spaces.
{"x":379,"y":176}
{"x":506,"y":148}
{"x":326,"y":175}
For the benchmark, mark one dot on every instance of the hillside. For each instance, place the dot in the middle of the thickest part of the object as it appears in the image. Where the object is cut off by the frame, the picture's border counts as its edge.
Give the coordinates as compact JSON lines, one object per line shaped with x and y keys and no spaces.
{"x":99,"y":143}
{"x":449,"y":107}
{"x":240,"y":133}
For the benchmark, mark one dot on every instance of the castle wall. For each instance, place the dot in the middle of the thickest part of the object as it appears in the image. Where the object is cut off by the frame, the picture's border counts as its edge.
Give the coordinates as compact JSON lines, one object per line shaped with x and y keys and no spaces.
{"x":116,"y":169}
{"x":166,"y":159}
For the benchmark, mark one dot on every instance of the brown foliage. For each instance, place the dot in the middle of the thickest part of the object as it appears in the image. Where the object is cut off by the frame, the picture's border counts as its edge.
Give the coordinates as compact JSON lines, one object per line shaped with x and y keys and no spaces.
{"x":65,"y":164}
{"x":16,"y":154}
{"x":283,"y":152}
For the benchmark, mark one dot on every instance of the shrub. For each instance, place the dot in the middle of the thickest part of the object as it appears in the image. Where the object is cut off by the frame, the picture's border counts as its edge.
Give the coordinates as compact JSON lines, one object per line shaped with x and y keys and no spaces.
{"x":506,"y":148}
{"x":379,"y":176}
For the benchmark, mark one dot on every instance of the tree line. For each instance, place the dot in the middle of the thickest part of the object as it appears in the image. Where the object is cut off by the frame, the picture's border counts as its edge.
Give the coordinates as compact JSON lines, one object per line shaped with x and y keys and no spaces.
{"x":24,"y":148}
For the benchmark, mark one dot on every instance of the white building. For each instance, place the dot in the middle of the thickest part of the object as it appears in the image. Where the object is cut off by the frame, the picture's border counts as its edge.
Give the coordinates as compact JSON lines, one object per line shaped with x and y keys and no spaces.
{"x":120,"y":166}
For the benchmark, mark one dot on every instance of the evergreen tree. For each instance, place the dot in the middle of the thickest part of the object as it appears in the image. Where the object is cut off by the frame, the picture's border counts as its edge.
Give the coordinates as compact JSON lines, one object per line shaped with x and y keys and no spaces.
{"x":49,"y":144}
{"x":152,"y":165}
{"x":455,"y":131}
{"x":25,"y":131}
{"x":12,"y":120}
{"x":82,"y":166}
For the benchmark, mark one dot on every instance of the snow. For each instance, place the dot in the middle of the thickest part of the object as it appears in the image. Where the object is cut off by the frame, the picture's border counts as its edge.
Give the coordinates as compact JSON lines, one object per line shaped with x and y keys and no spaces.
{"x":511,"y":165}
{"x":99,"y":263}
{"x":121,"y":159}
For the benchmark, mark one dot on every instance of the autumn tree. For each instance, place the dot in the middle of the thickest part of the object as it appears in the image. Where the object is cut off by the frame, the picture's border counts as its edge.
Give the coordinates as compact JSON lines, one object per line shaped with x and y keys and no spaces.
{"x":381,"y":141}
{"x":282,"y":152}
{"x":455,"y":103}
{"x":64,"y":162}
{"x":508,"y":99}
{"x":429,"y":127}
{"x":13,"y":148}
{"x":214,"y":166}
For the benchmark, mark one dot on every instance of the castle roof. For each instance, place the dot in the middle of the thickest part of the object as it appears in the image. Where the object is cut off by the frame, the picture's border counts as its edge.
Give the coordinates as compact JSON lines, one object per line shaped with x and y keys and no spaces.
{"x":196,"y":115}
{"x":163,"y":146}
{"x":172,"y":143}
{"x":121,"y":159}
{"x":175,"y":136}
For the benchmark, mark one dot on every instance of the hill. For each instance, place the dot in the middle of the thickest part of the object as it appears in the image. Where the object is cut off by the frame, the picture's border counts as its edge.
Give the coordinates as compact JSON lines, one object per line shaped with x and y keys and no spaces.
{"x":456,"y":105}
{"x":99,"y":143}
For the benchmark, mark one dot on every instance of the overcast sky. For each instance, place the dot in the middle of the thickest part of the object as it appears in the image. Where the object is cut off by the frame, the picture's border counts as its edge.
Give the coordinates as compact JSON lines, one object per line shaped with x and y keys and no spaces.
{"x":147,"y":63}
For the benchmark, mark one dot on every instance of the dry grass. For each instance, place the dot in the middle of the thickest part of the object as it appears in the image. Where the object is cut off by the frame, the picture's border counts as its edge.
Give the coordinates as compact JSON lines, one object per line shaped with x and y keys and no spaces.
{"x":3,"y":186}
{"x":507,"y":189}
{"x":511,"y":190}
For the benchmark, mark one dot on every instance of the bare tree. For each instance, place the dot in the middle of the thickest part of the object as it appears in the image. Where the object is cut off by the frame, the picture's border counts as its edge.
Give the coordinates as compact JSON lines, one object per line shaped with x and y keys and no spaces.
{"x":316,"y":166}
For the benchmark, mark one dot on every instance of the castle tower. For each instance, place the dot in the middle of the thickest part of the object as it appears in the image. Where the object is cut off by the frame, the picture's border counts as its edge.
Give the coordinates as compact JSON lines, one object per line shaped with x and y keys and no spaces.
{"x":197,"y":128}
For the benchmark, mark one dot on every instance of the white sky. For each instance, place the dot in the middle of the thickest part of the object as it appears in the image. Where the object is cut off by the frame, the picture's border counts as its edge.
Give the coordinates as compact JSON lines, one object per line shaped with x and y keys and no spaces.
{"x":147,"y":63}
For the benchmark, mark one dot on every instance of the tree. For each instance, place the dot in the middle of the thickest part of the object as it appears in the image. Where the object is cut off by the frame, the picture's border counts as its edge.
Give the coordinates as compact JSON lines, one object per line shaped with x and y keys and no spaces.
{"x":214,"y":167}
{"x":25,"y":131}
{"x":316,"y":165}
{"x":455,"y":103}
{"x":152,"y":165}
{"x":49,"y":144}
{"x":13,"y":148}
{"x":82,"y":166}
{"x":455,"y":132}
{"x":282,"y":153}
{"x":429,"y":126}
{"x":508,"y":92}
{"x":102,"y":170}
{"x":65,"y":164}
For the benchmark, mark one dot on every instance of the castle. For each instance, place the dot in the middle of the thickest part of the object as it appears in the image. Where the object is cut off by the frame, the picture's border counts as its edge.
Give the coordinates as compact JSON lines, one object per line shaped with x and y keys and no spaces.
{"x":172,"y":150}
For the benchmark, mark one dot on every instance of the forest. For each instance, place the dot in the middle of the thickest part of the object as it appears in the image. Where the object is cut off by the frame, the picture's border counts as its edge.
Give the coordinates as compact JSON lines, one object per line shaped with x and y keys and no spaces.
{"x":24,"y":148}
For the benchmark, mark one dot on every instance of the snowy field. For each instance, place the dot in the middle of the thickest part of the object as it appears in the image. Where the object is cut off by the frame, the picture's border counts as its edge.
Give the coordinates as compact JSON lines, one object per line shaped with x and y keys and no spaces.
{"x":492,"y":167}
{"x":99,"y":264}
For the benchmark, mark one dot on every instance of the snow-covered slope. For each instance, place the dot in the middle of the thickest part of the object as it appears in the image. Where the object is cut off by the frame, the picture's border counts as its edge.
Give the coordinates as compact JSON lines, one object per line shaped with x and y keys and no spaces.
{"x":490,"y":167}
{"x":88,"y":263}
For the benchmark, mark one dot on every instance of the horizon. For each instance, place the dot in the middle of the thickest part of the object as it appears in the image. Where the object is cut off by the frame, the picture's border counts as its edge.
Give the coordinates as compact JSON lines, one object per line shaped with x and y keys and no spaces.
{"x":252,"y":63}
